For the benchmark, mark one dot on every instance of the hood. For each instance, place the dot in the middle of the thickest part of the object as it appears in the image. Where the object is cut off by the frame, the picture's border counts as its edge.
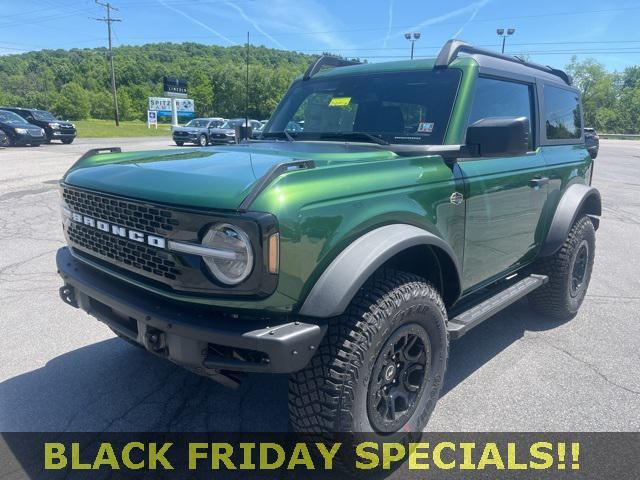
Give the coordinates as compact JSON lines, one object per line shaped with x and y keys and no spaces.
{"x":211,"y":178}
{"x":188,"y":129}
{"x":223,"y":130}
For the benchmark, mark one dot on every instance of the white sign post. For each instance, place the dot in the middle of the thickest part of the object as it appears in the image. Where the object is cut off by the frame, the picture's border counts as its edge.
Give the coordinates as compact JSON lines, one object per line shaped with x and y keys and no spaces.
{"x":174,"y":113}
{"x":173,"y":107}
{"x":152,"y":118}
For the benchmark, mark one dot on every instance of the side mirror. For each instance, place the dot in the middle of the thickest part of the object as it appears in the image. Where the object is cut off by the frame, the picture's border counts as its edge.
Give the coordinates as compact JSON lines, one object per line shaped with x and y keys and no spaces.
{"x":499,"y":137}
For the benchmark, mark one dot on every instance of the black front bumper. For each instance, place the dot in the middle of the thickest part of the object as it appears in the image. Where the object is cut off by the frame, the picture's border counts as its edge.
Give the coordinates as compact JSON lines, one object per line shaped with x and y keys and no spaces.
{"x":23,"y":139}
{"x":202,"y":340}
{"x":58,"y":135}
{"x":191,"y":138}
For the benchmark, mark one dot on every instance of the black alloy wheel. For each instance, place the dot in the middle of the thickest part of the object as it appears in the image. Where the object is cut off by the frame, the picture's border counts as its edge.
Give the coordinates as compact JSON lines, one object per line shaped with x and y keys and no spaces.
{"x":398,"y":377}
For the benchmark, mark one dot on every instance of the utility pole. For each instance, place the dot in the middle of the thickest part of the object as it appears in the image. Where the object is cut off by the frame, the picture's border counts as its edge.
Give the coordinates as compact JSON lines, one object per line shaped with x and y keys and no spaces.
{"x":108,"y":20}
{"x":246,"y":107}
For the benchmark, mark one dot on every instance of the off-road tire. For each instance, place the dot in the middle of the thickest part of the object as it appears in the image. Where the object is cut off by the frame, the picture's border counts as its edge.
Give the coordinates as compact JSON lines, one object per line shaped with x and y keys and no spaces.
{"x":203,"y":141}
{"x":555,"y":299}
{"x":330,"y":394}
{"x":179,"y":144}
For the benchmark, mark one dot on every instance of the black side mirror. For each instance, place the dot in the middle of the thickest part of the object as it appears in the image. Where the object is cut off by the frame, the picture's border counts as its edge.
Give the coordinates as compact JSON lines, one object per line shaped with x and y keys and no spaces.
{"x":499,"y":137}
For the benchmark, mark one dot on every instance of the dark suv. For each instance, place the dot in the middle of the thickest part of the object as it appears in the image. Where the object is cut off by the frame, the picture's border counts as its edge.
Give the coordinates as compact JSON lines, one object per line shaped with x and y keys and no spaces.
{"x":19,"y":131}
{"x":197,"y":131}
{"x":55,"y":129}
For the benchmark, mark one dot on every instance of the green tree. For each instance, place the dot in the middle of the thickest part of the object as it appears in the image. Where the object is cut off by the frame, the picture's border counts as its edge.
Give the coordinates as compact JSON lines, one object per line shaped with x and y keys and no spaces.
{"x":72,"y":102}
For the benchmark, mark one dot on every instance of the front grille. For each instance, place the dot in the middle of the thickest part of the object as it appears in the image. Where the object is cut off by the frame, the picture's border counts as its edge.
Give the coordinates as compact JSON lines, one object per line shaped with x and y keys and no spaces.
{"x":103,"y":236}
{"x":120,"y":250}
{"x":67,"y":130}
{"x":155,"y":220}
{"x":146,"y":260}
{"x":35,"y":133}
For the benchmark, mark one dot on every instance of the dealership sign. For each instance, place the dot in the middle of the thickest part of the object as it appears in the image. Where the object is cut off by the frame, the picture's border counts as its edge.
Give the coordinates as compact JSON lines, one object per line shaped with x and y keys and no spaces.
{"x":162,"y":106}
{"x":175,"y":87}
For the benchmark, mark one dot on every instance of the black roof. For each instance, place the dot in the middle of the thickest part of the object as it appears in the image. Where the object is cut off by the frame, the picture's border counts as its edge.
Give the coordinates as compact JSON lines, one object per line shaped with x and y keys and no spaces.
{"x":488,"y":59}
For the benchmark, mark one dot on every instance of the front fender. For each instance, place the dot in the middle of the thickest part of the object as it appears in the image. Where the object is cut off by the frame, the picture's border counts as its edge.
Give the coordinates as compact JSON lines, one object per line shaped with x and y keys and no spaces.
{"x":340,"y":281}
{"x":577,"y":198}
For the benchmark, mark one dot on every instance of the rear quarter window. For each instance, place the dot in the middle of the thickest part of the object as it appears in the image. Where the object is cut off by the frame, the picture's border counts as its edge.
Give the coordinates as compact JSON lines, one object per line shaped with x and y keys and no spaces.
{"x":562,"y":115}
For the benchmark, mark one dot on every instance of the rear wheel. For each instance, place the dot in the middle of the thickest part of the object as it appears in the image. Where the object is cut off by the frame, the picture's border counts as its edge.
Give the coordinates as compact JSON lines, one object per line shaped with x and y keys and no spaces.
{"x":569,"y":272}
{"x":381,"y":364}
{"x":202,"y":140}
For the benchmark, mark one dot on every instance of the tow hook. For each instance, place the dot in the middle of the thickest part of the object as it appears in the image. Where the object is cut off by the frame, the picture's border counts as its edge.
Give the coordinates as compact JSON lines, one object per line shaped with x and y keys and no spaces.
{"x":68,"y":295}
{"x":155,"y":340}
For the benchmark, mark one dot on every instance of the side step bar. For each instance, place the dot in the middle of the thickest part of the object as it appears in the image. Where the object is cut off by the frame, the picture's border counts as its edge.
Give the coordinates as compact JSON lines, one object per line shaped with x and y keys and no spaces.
{"x":464,"y":322}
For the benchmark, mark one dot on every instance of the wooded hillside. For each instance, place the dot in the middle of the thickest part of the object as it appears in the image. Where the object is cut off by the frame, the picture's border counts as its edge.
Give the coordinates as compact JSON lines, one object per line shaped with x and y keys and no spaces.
{"x":75,"y":84}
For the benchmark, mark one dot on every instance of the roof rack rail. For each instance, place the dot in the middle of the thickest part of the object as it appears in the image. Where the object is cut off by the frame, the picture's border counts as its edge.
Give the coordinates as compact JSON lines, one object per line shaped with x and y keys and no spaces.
{"x":326,"y":61}
{"x":453,"y":48}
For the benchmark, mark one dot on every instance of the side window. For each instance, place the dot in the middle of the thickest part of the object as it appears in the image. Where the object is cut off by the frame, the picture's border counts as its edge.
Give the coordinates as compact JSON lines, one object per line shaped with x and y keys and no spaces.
{"x":502,"y":98}
{"x":563,"y":120}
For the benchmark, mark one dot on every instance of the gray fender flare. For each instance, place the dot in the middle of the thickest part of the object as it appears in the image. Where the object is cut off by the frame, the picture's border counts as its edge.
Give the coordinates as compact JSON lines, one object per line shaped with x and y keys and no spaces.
{"x":339,"y":283}
{"x":576,"y":198}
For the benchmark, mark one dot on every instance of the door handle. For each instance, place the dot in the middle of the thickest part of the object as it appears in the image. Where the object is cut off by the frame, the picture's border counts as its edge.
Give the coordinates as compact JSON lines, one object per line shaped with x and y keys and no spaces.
{"x":538,"y":181}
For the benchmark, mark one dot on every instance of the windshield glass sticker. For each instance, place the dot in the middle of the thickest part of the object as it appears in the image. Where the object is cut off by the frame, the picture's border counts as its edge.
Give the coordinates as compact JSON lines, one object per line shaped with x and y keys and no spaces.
{"x":425,"y":127}
{"x":340,"y":101}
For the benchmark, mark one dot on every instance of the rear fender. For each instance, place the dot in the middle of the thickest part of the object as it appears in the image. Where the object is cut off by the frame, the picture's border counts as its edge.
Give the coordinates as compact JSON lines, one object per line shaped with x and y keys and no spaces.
{"x":577,"y":199}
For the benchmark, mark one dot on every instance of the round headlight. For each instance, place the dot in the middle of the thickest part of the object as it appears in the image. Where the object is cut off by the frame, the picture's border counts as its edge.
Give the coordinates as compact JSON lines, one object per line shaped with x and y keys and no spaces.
{"x":229,"y":238}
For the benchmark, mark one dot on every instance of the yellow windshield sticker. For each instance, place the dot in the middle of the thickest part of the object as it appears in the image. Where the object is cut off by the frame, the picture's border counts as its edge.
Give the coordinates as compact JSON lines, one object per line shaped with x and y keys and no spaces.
{"x":339,"y":101}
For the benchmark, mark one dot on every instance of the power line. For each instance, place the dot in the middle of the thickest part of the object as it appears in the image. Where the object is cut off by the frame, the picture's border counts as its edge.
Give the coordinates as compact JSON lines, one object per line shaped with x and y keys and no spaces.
{"x":108,"y":20}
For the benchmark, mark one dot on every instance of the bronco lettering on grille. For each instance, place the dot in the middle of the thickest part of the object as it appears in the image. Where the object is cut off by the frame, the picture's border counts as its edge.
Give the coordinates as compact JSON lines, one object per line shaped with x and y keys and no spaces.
{"x":119,"y":231}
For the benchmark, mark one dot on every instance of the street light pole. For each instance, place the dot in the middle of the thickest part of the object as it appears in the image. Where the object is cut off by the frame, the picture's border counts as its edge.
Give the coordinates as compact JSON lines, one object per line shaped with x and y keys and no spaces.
{"x":412,"y":37}
{"x":504,"y":33}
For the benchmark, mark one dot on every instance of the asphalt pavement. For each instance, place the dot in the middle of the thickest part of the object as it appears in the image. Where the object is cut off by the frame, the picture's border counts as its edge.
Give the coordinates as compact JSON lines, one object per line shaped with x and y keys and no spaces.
{"x":62,"y":370}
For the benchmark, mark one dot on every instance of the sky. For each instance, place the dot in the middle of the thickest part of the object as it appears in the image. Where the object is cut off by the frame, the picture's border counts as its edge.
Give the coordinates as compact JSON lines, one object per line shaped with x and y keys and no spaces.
{"x":548,"y":31}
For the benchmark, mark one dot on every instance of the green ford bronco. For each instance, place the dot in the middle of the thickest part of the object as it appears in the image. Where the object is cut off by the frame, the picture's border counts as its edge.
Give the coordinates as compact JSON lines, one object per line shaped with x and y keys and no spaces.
{"x":420,"y":198}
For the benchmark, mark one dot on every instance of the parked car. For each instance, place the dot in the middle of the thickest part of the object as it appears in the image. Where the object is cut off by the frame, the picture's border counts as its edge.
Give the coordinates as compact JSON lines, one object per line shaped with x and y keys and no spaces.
{"x":227,"y":131}
{"x":19,"y":131}
{"x":54,"y":128}
{"x":415,"y":204}
{"x":4,"y":140}
{"x":592,"y":140}
{"x":196,"y":131}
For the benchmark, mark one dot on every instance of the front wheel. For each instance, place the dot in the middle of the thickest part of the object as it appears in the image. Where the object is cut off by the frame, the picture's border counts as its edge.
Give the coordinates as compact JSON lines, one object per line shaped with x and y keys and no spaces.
{"x":569,"y":272}
{"x":202,"y":140}
{"x":67,"y":141}
{"x":179,"y":143}
{"x":381,"y":364}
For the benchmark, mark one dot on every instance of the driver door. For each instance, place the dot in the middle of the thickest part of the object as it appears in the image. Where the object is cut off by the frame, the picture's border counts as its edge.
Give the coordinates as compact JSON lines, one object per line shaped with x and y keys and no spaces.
{"x":504,"y":196}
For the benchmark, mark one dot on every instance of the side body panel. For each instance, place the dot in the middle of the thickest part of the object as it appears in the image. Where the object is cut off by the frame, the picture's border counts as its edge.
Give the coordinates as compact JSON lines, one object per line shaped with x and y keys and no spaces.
{"x":322,"y":211}
{"x":503,"y":213}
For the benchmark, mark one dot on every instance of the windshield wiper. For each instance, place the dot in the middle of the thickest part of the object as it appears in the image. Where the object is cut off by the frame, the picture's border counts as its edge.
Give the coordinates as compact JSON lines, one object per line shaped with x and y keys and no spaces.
{"x":368,"y":136}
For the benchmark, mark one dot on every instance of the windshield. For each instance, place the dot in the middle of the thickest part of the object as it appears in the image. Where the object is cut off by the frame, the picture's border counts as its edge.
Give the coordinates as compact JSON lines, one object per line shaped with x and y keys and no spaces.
{"x":43,"y":115}
{"x":398,"y":107}
{"x":197,"y":122}
{"x":10,"y":117}
{"x":236,"y":122}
